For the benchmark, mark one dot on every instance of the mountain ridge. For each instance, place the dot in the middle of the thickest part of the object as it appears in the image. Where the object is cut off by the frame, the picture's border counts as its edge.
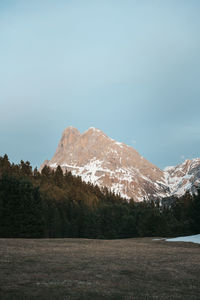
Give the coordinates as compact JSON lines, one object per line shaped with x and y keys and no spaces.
{"x":101,"y":160}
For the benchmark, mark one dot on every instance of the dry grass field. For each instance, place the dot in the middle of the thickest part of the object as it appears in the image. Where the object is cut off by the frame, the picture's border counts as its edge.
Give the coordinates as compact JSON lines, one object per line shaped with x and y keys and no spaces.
{"x":98,"y":269}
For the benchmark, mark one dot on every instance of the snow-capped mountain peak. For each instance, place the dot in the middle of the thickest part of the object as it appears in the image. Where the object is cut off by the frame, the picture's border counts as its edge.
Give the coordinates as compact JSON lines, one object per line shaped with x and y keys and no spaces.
{"x":101,"y":160}
{"x":183,"y":177}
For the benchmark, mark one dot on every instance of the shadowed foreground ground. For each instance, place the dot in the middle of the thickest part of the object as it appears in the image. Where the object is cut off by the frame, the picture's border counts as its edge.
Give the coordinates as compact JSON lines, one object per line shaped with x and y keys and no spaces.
{"x":98,"y":269}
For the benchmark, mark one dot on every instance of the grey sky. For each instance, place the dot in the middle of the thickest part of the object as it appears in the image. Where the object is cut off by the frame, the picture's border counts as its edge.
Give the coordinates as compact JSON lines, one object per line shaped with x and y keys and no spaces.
{"x":130,"y":68}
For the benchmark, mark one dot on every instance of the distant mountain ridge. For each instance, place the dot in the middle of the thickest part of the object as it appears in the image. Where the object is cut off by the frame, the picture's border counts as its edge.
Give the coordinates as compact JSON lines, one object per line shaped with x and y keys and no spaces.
{"x":103,"y":161}
{"x":183,"y":177}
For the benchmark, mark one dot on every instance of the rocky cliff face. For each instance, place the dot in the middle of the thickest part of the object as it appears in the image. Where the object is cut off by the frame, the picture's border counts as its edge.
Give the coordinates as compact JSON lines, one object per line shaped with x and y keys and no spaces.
{"x":101,"y":160}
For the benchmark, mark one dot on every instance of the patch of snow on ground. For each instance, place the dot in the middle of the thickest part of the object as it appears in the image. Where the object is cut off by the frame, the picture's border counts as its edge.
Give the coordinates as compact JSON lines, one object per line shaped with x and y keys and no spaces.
{"x":190,"y":238}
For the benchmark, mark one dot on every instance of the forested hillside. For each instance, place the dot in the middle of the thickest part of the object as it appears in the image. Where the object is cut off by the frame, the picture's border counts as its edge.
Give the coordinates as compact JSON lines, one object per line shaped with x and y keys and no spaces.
{"x":53,"y":204}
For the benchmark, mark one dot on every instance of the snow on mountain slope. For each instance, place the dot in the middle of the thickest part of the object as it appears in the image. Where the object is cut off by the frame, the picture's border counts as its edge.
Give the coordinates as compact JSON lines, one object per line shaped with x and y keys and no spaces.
{"x":184,"y":177}
{"x":103,"y":161}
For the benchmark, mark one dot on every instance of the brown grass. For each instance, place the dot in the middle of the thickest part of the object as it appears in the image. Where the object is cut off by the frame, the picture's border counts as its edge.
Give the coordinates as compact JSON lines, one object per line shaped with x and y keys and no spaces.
{"x":98,"y":269}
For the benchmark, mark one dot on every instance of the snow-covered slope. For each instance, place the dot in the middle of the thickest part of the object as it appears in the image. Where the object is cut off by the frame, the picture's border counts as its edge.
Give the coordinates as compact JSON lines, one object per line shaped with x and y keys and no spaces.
{"x":184,"y":177}
{"x":103,"y":161}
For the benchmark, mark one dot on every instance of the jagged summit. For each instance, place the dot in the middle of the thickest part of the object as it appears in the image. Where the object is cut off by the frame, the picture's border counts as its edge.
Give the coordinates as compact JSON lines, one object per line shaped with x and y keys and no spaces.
{"x":74,"y":131}
{"x":101,"y":160}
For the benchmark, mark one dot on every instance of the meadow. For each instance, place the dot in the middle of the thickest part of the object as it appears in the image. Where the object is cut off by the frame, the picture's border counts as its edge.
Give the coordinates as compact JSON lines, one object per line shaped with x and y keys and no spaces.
{"x":139,"y":268}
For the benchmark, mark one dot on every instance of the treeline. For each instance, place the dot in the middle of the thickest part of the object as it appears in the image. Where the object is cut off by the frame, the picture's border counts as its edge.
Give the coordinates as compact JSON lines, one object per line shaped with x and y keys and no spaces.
{"x":52,"y":204}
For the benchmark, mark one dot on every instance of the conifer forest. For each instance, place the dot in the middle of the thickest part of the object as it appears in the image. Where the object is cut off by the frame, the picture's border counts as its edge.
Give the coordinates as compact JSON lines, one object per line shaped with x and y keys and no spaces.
{"x":53,"y":204}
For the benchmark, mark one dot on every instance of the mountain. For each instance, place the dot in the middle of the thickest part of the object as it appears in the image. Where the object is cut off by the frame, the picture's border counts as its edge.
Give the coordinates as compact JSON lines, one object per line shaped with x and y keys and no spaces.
{"x":103,"y":161}
{"x":184,"y":177}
